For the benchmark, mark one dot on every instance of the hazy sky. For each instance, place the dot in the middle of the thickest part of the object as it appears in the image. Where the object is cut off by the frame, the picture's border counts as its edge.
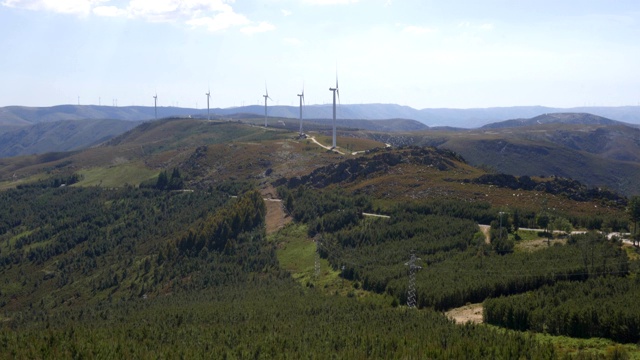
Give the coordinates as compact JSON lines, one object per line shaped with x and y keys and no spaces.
{"x":420,"y":53}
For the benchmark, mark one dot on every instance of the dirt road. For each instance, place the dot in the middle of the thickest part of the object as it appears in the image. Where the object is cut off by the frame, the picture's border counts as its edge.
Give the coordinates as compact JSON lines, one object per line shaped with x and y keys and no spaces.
{"x":324,"y":146}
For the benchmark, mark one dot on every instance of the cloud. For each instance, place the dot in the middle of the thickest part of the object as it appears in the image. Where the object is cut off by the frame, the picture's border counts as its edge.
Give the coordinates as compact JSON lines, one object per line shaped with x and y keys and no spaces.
{"x":330,"y":2}
{"x":76,"y":7}
{"x":286,"y":12}
{"x":418,"y":30}
{"x":109,"y":11}
{"x":261,"y":27}
{"x":214,"y":15}
{"x":176,"y":10}
{"x":221,"y":21}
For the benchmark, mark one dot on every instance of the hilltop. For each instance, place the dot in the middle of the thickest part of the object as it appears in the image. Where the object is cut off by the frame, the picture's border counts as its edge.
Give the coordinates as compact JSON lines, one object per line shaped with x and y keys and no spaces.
{"x":555,"y":118}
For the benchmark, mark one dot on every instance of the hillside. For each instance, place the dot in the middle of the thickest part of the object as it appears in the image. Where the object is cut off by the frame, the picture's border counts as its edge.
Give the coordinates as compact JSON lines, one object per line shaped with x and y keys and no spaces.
{"x":23,"y":115}
{"x":34,"y":131}
{"x":59,"y":136}
{"x":593,"y":150}
{"x":555,"y":118}
{"x":156,"y":246}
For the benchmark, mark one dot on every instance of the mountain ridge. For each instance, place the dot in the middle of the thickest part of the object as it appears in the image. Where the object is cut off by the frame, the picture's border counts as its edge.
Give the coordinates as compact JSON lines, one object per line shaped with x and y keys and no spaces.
{"x":463,"y":118}
{"x":64,"y":135}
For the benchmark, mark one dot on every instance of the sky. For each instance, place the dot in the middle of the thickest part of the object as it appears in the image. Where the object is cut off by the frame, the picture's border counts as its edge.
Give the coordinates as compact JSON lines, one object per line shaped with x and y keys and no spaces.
{"x":418,"y":53}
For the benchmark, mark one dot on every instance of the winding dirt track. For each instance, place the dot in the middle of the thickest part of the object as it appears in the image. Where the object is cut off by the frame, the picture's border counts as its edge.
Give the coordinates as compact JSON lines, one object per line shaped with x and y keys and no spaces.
{"x":324,"y":146}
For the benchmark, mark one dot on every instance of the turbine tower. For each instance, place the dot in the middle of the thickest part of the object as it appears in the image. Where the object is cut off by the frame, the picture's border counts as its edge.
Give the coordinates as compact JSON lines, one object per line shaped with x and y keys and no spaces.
{"x":208,"y":97}
{"x":335,"y":90}
{"x":155,"y":105}
{"x":266,"y":97}
{"x":301,"y":96}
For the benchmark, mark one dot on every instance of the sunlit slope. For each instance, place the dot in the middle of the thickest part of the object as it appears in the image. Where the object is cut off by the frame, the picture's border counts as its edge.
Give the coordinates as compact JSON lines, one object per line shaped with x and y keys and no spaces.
{"x":395,"y":176}
{"x":597,"y":155}
{"x":207,"y":152}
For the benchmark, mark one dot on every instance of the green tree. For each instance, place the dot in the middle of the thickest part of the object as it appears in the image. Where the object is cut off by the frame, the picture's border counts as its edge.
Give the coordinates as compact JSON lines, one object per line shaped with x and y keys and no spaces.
{"x":562,"y":224}
{"x":163,"y":181}
{"x":516,"y":220}
{"x":543,"y":221}
{"x":175,"y":182}
{"x":634,"y":214}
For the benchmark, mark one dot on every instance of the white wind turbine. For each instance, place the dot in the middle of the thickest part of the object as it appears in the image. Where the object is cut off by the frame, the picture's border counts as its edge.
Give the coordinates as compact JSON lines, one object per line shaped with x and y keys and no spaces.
{"x":266,"y":97}
{"x":208,"y":97}
{"x":155,"y":105}
{"x":335,"y":91}
{"x":301,"y":96}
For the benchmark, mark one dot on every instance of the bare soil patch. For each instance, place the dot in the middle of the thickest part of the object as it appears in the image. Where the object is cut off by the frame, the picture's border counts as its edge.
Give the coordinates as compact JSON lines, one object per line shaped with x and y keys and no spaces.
{"x":468,"y":313}
{"x":486,"y":231}
{"x":276,"y":217}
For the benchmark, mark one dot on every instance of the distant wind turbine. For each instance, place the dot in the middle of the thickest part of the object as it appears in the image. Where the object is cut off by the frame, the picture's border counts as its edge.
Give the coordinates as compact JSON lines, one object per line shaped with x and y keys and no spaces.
{"x":266,"y":97}
{"x":155,"y":105}
{"x":335,"y":90}
{"x":301,"y":96}
{"x":208,"y":97}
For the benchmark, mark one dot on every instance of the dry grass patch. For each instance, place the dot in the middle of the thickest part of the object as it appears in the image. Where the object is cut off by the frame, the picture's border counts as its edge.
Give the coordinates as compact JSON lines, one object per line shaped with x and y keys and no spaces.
{"x":471,"y":313}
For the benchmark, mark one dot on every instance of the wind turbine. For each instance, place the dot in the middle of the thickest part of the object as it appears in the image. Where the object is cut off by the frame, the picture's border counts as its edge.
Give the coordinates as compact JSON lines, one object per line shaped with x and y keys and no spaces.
{"x":266,"y":97}
{"x":301,"y":96}
{"x":155,"y":105}
{"x":335,"y":90}
{"x":208,"y":97}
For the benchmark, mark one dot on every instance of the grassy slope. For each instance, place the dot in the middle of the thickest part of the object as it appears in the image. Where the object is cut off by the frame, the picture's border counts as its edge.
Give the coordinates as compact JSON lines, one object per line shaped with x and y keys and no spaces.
{"x":116,"y":175}
{"x":296,"y":254}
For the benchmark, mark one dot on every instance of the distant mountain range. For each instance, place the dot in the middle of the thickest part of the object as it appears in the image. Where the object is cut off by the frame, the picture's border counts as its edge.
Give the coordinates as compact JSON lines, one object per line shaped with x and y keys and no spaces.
{"x":461,"y":118}
{"x":556,"y":118}
{"x":62,"y":135}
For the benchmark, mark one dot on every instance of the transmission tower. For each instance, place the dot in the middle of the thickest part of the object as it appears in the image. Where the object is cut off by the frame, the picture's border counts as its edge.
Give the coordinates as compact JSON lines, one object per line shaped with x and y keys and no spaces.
{"x":411,"y":292}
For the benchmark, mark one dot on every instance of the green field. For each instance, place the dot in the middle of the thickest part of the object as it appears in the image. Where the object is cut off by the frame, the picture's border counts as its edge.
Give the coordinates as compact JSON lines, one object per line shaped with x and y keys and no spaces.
{"x":116,"y":176}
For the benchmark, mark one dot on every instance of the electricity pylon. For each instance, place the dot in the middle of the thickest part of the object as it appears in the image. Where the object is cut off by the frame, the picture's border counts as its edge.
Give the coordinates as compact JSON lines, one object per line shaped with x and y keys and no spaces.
{"x":411,"y":291}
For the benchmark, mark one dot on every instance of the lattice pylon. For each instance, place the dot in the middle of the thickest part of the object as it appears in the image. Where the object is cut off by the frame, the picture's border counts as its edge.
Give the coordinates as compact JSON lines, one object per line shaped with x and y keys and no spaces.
{"x":411,"y":291}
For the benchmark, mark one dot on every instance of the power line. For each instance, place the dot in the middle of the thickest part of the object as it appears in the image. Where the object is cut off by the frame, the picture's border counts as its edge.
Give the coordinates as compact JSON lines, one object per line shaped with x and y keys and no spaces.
{"x":411,"y":291}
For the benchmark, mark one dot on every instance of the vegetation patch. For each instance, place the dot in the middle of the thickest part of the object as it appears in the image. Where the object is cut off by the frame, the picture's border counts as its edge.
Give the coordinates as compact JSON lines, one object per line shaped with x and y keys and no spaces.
{"x":116,"y":176}
{"x":595,"y":308}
